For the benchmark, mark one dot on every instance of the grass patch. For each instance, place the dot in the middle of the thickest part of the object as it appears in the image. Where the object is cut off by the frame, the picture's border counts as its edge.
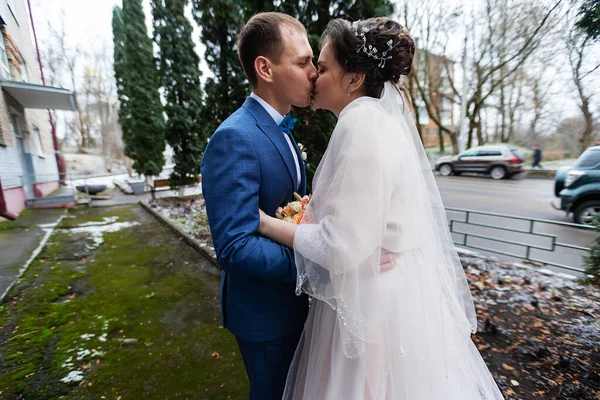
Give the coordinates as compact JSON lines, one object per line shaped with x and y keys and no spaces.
{"x":19,"y":223}
{"x":7,"y":226}
{"x":137,"y":316}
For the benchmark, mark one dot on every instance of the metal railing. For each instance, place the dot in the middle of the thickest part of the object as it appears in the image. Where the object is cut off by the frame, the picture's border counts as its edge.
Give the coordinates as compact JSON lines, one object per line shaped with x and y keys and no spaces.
{"x":529,"y":229}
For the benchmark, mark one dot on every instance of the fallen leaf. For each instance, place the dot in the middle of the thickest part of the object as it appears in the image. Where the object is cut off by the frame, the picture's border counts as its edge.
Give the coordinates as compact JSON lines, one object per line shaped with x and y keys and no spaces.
{"x":507,"y":367}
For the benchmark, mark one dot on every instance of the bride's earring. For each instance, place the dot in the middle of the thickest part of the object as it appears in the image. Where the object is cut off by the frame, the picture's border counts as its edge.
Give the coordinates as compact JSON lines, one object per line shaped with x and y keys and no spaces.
{"x":348,"y":92}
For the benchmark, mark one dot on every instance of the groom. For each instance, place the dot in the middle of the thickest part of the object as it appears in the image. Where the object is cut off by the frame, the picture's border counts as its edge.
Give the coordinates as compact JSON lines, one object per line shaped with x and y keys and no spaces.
{"x":252,"y":163}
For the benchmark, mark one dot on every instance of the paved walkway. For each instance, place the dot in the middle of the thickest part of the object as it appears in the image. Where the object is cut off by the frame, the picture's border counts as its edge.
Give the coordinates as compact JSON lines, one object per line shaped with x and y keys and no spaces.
{"x":17,"y":245}
{"x":118,"y":197}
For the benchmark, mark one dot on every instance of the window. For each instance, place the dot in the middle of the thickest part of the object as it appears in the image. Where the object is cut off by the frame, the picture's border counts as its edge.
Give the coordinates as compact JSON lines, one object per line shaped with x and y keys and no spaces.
{"x":423,"y":114}
{"x":422,"y":110}
{"x":516,"y":154}
{"x":13,"y":126}
{"x":38,"y":141}
{"x":446,"y":112}
{"x":24,"y":76}
{"x":588,"y":159}
{"x":489,"y":153}
{"x":4,"y":68}
{"x":444,"y":79}
{"x":468,"y":153}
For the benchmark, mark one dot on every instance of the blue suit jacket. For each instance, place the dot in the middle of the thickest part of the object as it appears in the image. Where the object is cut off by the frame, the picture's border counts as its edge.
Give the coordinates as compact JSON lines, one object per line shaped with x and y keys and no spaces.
{"x":248,"y":165}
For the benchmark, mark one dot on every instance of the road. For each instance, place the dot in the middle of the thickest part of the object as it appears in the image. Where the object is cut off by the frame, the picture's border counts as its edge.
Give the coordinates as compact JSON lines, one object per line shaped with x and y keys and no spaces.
{"x":528,"y":198}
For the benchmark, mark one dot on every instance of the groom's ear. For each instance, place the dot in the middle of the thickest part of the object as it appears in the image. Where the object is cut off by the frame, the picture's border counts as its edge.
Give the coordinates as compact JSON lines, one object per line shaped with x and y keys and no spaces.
{"x":263,"y":69}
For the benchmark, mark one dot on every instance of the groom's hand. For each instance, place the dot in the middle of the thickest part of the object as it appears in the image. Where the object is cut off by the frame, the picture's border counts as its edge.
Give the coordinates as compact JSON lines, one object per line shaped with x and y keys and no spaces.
{"x":387,"y":260}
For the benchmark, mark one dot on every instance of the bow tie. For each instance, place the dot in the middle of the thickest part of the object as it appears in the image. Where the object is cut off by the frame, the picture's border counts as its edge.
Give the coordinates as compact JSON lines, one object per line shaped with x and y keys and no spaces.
{"x":288,"y":124}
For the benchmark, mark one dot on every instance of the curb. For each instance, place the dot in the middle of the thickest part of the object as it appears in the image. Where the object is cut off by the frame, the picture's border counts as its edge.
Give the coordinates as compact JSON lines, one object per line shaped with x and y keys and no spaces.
{"x":540,"y":173}
{"x":204,"y":251}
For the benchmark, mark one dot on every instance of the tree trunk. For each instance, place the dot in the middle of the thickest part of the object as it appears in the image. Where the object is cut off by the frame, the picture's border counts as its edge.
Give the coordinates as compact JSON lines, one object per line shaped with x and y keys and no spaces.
{"x":454,"y":139}
{"x":82,"y":128}
{"x":413,"y":98}
{"x":480,"y":140}
{"x":586,"y":139}
{"x":502,"y":110}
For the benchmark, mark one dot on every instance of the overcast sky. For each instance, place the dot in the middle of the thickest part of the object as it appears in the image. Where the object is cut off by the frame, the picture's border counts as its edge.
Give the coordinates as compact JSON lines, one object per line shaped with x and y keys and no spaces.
{"x":85,"y":21}
{"x":88,"y":24}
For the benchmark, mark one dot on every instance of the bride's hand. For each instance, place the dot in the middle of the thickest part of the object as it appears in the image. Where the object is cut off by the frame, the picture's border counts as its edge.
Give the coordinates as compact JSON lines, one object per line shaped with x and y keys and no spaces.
{"x":387,"y":261}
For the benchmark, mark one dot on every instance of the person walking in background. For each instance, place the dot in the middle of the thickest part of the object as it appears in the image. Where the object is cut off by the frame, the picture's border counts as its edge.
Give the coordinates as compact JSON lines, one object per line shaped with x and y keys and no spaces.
{"x":537,"y":156}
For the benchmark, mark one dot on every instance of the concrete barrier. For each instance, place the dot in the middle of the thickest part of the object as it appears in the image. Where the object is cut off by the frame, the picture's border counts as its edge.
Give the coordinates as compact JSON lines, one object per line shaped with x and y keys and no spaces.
{"x":540,"y":173}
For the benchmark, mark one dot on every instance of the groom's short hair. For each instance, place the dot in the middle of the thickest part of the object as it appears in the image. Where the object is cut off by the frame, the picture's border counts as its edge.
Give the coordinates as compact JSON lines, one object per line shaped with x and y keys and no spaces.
{"x":261,"y":36}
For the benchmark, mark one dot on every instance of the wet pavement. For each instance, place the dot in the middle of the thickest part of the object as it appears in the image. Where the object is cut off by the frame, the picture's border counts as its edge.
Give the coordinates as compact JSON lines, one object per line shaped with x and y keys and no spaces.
{"x":19,"y":243}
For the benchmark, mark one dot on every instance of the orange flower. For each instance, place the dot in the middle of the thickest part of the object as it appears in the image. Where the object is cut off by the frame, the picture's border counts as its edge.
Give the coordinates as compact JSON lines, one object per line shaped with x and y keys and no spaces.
{"x":298,"y":217}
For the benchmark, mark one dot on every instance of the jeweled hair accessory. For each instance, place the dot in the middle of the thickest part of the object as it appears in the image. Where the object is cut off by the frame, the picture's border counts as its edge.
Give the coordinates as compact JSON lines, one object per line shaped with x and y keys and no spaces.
{"x":370,"y":50}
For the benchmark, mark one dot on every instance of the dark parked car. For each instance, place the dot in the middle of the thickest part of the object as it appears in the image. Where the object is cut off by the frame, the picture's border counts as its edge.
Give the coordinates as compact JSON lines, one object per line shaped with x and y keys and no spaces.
{"x":578,"y":187}
{"x":497,"y":161}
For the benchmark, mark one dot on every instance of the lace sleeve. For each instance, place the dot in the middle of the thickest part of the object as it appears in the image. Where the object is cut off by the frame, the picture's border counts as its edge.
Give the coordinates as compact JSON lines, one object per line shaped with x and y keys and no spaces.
{"x":350,"y":200}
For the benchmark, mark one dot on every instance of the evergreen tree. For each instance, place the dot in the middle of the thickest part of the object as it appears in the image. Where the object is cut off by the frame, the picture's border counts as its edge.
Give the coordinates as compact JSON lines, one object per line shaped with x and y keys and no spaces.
{"x":221,"y":21}
{"x":589,"y":18}
{"x":180,"y":79}
{"x":120,"y":69}
{"x":146,"y":142}
{"x":315,"y":127}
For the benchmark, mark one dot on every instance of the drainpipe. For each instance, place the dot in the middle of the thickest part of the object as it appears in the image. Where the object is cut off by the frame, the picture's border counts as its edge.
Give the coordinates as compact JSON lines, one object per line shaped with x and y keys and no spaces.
{"x":60,"y":162}
{"x":3,"y":211}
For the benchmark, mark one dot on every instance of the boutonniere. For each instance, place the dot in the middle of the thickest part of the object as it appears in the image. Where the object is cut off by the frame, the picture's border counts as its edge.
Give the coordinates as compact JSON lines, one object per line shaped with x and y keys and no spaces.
{"x":302,"y":152}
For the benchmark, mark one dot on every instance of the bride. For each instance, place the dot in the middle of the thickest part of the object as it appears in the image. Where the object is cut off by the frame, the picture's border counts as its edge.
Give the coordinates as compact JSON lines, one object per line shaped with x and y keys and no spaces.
{"x":401,"y":333}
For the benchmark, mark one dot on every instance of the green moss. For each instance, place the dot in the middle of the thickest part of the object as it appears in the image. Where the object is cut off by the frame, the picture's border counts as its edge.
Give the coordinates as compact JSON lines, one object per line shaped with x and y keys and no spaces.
{"x":23,"y":371}
{"x":142,"y":283}
{"x":7,"y":226}
{"x":85,"y":214}
{"x":19,"y":223}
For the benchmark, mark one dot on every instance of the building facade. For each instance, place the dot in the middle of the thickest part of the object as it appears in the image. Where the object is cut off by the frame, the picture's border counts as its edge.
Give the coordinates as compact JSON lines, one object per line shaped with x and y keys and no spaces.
{"x":28,"y":166}
{"x":435,"y":74}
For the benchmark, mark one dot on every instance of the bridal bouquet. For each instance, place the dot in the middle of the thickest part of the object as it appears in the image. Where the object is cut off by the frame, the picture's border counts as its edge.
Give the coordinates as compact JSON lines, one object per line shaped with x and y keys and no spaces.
{"x":293,"y":211}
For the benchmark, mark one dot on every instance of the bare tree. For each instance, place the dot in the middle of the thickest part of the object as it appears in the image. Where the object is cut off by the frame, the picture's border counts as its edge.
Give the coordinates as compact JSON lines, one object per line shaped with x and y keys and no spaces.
{"x":578,"y":46}
{"x":99,"y":88}
{"x":430,"y":83}
{"x":499,"y":37}
{"x":62,"y":61}
{"x":513,"y":31}
{"x":511,"y":102}
{"x":541,"y":89}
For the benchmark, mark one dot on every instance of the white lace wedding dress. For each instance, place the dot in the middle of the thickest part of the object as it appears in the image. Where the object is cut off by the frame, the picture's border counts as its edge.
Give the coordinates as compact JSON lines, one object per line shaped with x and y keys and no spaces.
{"x":402,"y":334}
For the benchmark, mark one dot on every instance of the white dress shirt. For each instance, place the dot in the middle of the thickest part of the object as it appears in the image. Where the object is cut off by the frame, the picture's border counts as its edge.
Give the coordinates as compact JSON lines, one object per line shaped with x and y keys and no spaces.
{"x":278,"y":118}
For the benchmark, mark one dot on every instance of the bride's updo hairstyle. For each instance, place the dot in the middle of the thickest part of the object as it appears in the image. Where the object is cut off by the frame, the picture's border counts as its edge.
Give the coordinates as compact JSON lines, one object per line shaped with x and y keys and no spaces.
{"x":380,"y":48}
